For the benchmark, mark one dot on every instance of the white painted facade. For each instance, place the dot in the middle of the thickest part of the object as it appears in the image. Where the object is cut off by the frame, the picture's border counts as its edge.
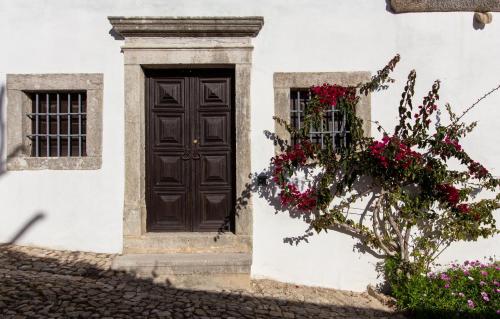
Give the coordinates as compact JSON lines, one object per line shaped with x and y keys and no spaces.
{"x":83,"y":210}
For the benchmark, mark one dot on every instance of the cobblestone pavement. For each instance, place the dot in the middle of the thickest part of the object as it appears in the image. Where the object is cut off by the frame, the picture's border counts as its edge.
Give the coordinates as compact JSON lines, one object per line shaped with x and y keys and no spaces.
{"x":39,"y":283}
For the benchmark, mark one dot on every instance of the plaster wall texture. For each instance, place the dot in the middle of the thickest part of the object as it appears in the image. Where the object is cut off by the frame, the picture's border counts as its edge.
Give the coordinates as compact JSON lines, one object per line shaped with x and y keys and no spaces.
{"x":83,"y":210}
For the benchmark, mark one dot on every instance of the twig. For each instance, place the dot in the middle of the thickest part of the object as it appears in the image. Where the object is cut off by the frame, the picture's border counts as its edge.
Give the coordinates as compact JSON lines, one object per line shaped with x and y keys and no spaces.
{"x":476,"y":103}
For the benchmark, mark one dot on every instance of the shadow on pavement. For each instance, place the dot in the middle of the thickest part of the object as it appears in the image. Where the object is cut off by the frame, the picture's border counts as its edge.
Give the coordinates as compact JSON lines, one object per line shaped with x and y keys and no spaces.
{"x":34,"y":286}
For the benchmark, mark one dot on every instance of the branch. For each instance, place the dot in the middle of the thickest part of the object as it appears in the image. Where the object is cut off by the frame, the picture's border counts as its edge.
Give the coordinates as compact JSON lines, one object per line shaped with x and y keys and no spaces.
{"x":476,"y":103}
{"x":432,"y":258}
{"x":374,"y":223}
{"x":376,"y":213}
{"x":396,"y":230}
{"x":406,"y":256}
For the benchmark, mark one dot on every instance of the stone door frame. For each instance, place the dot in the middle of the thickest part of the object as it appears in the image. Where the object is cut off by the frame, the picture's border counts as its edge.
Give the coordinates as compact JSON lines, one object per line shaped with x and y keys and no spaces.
{"x":182,"y":43}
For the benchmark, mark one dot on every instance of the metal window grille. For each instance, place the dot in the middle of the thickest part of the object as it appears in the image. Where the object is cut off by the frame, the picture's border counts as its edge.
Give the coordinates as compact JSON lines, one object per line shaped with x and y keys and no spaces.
{"x":58,"y":124}
{"x":333,"y":130}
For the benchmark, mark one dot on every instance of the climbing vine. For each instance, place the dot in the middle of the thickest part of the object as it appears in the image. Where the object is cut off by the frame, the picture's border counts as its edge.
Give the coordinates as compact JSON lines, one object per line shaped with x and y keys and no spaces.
{"x":418,"y":202}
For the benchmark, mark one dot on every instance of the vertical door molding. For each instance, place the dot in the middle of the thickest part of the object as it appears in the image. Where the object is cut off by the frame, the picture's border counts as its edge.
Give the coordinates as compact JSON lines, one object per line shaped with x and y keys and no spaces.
{"x":207,"y":48}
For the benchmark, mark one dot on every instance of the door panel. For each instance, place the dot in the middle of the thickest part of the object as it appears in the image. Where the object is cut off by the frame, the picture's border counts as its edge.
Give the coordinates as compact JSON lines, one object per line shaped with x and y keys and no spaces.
{"x":213,"y":208}
{"x":214,"y":129}
{"x":190,"y":151}
{"x":169,"y":129}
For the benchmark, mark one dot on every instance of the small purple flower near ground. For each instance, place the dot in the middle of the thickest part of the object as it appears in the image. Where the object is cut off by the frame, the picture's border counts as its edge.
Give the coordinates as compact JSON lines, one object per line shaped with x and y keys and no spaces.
{"x":485,"y":296}
{"x":470,"y":304}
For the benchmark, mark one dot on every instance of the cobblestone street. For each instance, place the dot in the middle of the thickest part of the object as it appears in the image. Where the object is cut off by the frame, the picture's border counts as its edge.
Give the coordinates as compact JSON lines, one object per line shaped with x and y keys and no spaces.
{"x":38,"y":283}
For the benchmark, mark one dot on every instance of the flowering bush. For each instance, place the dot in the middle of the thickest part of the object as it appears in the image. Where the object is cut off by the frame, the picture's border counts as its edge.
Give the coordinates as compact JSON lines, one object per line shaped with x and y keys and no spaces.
{"x":419,"y":204}
{"x":471,"y":289}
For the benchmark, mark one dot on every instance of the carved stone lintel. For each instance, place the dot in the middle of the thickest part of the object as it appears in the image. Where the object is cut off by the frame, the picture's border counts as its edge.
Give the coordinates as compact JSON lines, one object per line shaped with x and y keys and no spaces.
{"x":187,"y":26}
{"x":402,"y":6}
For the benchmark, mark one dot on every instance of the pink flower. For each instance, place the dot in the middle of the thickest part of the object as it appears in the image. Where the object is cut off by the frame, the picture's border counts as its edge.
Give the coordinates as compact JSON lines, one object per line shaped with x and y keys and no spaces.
{"x":445,"y":277}
{"x":485,"y":296}
{"x":470,"y":303}
{"x":484,"y":273}
{"x":482,"y":283}
{"x":447,"y":285}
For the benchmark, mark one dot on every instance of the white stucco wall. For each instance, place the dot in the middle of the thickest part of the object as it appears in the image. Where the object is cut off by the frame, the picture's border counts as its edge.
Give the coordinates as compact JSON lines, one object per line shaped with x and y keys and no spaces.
{"x":83,"y":209}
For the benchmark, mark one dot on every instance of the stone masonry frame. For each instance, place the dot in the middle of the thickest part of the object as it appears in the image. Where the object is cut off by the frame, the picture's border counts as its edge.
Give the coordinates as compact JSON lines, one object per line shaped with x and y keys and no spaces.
{"x":284,"y":82}
{"x":19,"y":126}
{"x":403,"y":6}
{"x":197,"y":50}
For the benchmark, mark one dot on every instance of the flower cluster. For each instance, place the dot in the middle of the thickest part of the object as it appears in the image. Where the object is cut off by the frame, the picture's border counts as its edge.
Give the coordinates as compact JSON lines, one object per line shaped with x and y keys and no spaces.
{"x":403,"y":156}
{"x":329,"y":95}
{"x":477,"y":170}
{"x":290,"y":196}
{"x":463,"y":208}
{"x":477,"y":284}
{"x":296,"y":155}
{"x":449,"y":193}
{"x":453,"y":143}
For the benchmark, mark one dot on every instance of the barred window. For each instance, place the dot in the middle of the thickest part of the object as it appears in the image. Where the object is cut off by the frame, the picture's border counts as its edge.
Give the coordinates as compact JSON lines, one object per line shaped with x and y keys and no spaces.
{"x":334,"y":129}
{"x":58,"y":124}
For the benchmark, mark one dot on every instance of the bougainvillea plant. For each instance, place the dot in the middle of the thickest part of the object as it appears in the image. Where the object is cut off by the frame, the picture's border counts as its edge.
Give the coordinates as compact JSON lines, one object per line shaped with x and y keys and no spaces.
{"x":419,"y":203}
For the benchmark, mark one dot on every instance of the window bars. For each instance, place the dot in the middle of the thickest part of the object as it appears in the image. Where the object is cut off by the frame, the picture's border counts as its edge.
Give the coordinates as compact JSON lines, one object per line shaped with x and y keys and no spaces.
{"x":58,"y":124}
{"x":333,"y":130}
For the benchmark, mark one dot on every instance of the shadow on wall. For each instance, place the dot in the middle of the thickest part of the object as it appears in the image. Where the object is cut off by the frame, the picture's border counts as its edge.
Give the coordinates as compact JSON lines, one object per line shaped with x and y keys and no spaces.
{"x":38,"y":216}
{"x":72,"y":285}
{"x":261,"y":183}
{"x":3,"y":130}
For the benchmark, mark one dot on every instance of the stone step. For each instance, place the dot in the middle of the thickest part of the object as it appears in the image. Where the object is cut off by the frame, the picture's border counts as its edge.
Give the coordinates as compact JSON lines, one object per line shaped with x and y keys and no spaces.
{"x":156,"y":243}
{"x":194,"y":271}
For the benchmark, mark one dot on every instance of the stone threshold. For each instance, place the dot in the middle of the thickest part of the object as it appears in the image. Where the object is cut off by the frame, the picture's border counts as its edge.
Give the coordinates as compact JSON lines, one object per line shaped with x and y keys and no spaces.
{"x":190,"y":270}
{"x":187,"y":242}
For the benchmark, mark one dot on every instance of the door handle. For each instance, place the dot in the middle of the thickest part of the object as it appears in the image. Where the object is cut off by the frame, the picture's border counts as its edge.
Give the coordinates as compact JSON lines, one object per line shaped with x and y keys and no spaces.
{"x":195,"y":141}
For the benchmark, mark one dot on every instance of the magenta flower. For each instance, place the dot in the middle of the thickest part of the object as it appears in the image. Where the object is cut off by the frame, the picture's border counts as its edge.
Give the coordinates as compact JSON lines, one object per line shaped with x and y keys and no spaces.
{"x":470,"y":304}
{"x":445,"y":277}
{"x":485,"y":296}
{"x":447,"y":285}
{"x":484,"y":273}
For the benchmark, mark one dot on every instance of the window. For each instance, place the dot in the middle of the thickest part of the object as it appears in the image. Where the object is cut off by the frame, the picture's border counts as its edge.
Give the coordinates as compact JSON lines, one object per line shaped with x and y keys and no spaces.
{"x":54,"y":121}
{"x":58,"y":124}
{"x":334,"y":128}
{"x":291,"y":93}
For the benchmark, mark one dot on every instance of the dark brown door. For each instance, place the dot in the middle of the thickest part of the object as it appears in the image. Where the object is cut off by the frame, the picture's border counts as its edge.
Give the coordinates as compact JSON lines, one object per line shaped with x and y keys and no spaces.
{"x":189,"y":152}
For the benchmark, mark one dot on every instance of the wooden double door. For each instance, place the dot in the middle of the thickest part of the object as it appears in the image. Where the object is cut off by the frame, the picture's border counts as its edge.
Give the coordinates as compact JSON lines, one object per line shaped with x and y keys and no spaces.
{"x":189,"y":150}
